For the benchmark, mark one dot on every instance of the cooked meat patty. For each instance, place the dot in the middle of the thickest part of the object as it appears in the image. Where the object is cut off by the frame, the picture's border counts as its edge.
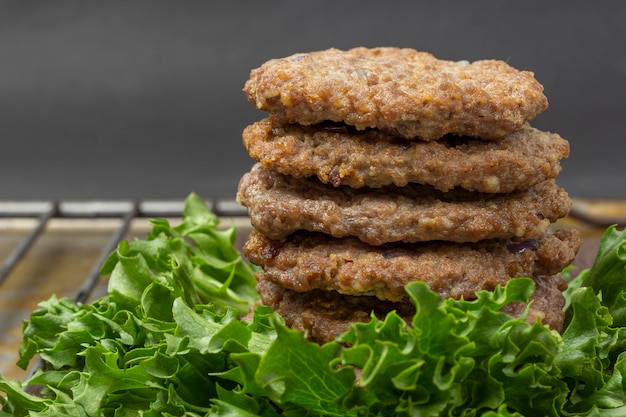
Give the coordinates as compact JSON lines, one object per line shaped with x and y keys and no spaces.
{"x":409,"y":93}
{"x":339,"y":155}
{"x":279,"y":205}
{"x":306,"y":261}
{"x":324,"y":315}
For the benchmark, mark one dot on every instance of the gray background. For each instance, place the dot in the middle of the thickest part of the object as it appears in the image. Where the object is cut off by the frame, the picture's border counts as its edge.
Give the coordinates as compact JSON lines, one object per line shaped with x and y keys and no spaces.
{"x":142,"y":99}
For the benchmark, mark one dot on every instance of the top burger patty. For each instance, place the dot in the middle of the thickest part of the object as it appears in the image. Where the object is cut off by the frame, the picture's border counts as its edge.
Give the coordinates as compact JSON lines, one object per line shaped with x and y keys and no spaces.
{"x":410,"y":93}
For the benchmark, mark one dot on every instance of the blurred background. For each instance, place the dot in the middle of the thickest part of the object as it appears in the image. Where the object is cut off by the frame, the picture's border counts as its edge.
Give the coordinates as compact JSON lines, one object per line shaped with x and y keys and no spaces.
{"x":143,"y":99}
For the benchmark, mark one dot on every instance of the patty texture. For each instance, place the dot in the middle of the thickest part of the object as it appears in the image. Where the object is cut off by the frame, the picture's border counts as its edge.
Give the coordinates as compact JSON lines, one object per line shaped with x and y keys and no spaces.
{"x":339,"y":155}
{"x":408,"y":93}
{"x":324,"y":315}
{"x":307,"y":261}
{"x":279,"y":205}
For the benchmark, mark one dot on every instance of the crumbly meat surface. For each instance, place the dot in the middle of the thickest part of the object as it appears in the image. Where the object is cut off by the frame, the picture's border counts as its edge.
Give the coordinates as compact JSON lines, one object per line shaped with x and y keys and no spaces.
{"x":409,"y":93}
{"x":339,"y":155}
{"x":307,"y":261}
{"x":324,"y":315}
{"x":279,"y":205}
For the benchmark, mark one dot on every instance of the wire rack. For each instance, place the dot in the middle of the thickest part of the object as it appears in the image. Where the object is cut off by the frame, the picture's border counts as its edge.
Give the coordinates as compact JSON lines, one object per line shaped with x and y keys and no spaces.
{"x":126,"y":211}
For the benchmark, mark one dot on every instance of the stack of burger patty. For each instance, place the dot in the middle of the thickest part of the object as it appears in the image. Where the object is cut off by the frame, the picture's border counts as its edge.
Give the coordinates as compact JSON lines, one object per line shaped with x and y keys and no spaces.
{"x":379,"y":167}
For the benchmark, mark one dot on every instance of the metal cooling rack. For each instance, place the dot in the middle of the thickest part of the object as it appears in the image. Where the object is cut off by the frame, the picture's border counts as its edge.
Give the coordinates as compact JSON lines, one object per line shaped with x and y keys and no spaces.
{"x":126,"y":211}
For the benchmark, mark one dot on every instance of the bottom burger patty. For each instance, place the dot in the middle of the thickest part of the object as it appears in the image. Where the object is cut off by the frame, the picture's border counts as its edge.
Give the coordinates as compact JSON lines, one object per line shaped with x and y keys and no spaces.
{"x":323,"y":315}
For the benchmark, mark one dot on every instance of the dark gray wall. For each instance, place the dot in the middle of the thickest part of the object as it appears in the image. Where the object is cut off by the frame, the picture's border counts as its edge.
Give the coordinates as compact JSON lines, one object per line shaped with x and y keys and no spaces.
{"x":143,"y":98}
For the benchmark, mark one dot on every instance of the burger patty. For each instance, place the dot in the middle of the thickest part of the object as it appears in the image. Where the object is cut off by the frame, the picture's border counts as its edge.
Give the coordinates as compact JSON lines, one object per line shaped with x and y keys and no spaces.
{"x":409,"y":93}
{"x":279,"y":205}
{"x":308,"y":261}
{"x":324,"y":315}
{"x":339,"y":155}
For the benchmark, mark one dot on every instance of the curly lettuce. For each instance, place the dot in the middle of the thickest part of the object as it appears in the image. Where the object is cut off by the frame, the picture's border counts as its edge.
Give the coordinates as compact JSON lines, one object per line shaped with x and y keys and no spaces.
{"x":180,"y":334}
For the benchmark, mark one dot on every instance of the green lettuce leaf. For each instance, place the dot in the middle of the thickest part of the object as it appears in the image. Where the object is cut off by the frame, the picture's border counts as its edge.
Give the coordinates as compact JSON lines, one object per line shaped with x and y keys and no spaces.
{"x":454,"y":358}
{"x":180,"y":334}
{"x":607,"y":276}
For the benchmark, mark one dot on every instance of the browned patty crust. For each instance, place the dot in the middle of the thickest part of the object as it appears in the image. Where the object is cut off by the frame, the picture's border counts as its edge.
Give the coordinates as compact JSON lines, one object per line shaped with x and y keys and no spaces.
{"x":324,"y":315}
{"x":307,"y":261}
{"x":339,"y":155}
{"x":410,"y":93}
{"x":279,"y":205}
